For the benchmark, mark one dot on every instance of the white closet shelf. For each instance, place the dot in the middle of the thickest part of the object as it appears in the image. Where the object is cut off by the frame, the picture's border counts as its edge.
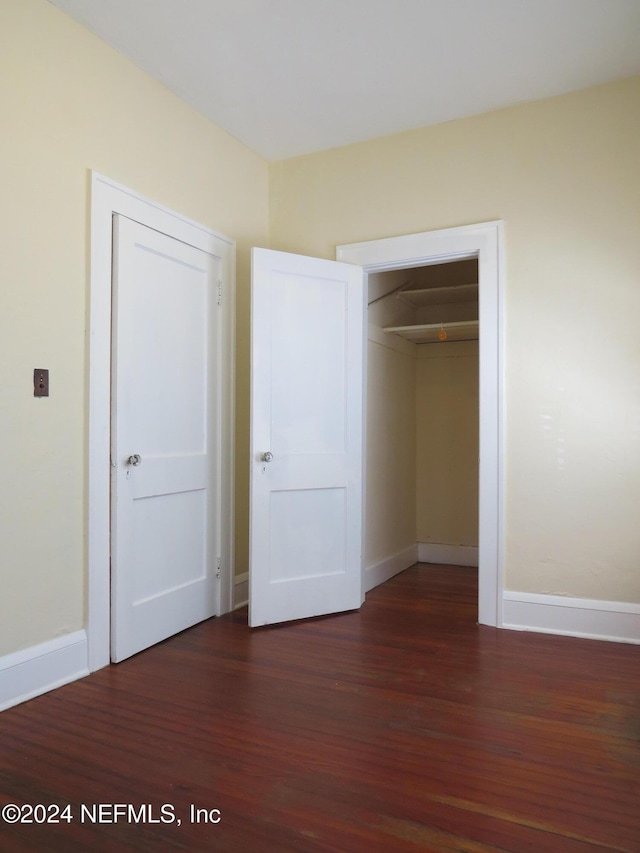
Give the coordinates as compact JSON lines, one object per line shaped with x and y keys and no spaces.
{"x":465,"y":330}
{"x":440,"y":295}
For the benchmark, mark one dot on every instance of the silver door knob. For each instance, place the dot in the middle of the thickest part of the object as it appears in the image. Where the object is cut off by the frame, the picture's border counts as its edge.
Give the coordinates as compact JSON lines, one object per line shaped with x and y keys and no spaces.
{"x":134,"y":460}
{"x":267,"y":457}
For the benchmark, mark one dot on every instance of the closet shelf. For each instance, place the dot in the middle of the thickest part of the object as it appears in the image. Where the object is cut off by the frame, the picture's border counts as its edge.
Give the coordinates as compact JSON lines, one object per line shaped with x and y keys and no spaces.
{"x":464,"y":330}
{"x":440,"y":295}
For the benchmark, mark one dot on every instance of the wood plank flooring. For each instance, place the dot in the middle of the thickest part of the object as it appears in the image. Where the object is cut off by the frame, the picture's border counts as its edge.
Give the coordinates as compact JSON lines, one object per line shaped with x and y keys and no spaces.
{"x":403,"y":727}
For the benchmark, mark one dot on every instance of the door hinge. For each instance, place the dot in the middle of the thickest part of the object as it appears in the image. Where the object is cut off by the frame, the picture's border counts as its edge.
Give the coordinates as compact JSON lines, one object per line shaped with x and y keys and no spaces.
{"x":220,"y":292}
{"x":218,"y":567}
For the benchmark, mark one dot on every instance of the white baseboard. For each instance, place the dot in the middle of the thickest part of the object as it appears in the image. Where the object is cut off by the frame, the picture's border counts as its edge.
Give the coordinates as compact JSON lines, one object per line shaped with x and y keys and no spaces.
{"x":450,"y":555}
{"x":381,"y":572}
{"x":41,"y":668}
{"x":240,"y":591}
{"x":617,"y":621}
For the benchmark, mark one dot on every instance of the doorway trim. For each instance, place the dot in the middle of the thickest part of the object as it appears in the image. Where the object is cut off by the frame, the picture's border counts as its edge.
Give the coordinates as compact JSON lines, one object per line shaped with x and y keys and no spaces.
{"x":486,"y":242}
{"x":109,"y":198}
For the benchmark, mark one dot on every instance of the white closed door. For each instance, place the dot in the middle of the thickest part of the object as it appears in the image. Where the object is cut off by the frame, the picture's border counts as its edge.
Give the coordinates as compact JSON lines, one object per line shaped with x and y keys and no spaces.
{"x":306,"y":437}
{"x":165,"y":437}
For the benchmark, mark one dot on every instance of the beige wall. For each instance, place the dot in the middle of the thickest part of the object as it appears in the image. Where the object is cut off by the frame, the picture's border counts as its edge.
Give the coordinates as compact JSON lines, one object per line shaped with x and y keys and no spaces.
{"x":564,"y":175}
{"x":447,"y":443}
{"x":422,"y":445}
{"x":391,"y":448}
{"x":71,"y":104}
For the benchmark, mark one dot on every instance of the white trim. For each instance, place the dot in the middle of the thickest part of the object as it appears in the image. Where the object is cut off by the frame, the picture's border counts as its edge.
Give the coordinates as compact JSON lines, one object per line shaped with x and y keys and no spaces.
{"x":385,"y":569}
{"x":41,"y":668}
{"x":616,"y":621}
{"x":241,"y":591}
{"x":450,"y":555}
{"x":486,"y":242}
{"x":107,"y":198}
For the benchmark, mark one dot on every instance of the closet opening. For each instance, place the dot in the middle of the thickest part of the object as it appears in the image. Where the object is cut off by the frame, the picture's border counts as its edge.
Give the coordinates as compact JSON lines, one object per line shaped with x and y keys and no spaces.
{"x":422,"y":430}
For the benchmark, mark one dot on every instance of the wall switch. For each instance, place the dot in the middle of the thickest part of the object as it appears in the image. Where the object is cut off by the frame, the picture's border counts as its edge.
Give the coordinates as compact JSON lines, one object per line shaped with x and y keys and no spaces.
{"x":40,"y":382}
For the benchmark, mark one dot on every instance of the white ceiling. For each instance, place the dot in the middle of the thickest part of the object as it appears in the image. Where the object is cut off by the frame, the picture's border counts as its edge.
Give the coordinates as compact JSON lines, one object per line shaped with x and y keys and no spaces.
{"x":289,"y":77}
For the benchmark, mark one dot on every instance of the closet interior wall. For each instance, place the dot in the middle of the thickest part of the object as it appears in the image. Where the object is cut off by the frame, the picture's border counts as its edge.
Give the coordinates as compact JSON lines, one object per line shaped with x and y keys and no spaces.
{"x":422,"y":415}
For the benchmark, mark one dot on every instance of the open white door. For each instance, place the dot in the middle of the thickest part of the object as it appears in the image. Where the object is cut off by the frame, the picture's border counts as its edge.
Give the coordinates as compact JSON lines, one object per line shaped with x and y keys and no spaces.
{"x":165,"y":437}
{"x":306,"y":437}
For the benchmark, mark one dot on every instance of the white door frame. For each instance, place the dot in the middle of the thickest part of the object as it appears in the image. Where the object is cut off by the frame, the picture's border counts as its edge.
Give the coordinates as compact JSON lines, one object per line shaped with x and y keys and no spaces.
{"x":486,"y":242}
{"x":107,"y":198}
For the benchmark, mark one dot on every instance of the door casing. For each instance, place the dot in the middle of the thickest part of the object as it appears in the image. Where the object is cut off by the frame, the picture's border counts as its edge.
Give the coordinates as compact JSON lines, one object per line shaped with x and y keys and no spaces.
{"x":486,"y":242}
{"x":109,"y":198}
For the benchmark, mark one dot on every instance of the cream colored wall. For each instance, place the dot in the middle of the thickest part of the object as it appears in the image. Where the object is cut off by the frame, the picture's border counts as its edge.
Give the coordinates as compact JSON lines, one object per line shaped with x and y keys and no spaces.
{"x":71,"y":104}
{"x":564,"y":175}
{"x":391,"y":447}
{"x":447,"y":443}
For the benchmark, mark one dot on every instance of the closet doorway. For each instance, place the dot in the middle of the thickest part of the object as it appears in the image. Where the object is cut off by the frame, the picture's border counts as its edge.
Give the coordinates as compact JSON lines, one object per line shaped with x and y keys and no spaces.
{"x":392,"y":546}
{"x":422,"y":416}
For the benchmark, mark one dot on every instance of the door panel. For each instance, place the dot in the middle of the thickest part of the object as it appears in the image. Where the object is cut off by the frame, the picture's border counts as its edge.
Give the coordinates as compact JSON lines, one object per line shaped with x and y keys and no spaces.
{"x":299,"y":404}
{"x":306,"y":397}
{"x":164,"y":403}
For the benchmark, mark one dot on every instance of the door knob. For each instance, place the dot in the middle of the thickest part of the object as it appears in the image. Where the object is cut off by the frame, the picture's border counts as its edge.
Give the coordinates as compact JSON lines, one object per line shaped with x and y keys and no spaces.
{"x":267,"y":457}
{"x":134,"y":460}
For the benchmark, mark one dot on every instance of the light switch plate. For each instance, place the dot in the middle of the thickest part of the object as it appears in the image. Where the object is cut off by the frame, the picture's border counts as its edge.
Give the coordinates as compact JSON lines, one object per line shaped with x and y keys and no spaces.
{"x":40,"y":382}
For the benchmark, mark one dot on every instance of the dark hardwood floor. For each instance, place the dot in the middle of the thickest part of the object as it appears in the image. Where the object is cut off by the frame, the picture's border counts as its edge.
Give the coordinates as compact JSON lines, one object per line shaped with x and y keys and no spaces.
{"x":403,"y":727}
